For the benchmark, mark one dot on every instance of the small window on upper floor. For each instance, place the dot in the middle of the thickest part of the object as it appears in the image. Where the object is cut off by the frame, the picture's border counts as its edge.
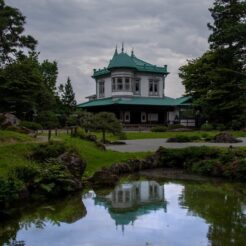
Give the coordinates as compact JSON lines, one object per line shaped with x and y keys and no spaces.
{"x":136,"y":87}
{"x":119,"y":84}
{"x":101,"y":89}
{"x":153,"y":87}
{"x":127,"y":84}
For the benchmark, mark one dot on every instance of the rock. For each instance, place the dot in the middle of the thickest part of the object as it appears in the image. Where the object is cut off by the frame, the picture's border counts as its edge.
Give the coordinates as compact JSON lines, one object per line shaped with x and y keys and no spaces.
{"x":225,"y":137}
{"x":104,"y":178}
{"x":73,"y":163}
{"x":117,"y":143}
{"x":92,"y":138}
{"x":9,"y":120}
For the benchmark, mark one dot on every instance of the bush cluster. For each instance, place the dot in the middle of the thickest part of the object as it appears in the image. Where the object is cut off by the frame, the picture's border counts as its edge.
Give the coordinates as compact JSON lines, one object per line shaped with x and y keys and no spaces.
{"x":206,"y":161}
{"x":206,"y":127}
{"x":47,"y":176}
{"x":174,"y":126}
{"x":31,"y":125}
{"x":183,"y":139}
{"x":159,"y":129}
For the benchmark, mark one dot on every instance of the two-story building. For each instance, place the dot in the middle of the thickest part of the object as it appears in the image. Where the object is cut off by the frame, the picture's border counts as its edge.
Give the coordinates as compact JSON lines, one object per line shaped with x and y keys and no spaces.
{"x":135,"y":91}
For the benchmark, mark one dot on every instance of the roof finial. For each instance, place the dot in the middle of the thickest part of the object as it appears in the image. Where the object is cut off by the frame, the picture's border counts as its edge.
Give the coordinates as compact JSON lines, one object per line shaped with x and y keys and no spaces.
{"x":132,"y":52}
{"x":122,"y":49}
{"x":116,"y":50}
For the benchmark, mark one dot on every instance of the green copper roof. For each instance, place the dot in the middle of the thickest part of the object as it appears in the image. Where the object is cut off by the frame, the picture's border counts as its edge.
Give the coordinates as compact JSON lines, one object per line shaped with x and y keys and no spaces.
{"x":146,"y":101}
{"x":123,"y":60}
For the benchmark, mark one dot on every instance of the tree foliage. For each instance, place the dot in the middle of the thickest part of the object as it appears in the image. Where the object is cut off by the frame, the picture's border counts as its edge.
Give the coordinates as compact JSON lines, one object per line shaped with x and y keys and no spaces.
{"x":28,"y":87}
{"x":217,"y":80}
{"x":68,"y":96}
{"x":107,"y":122}
{"x":12,"y":40}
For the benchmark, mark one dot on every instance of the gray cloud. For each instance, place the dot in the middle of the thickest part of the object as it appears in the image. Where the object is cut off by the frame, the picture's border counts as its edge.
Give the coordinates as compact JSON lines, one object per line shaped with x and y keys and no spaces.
{"x":81,"y":34}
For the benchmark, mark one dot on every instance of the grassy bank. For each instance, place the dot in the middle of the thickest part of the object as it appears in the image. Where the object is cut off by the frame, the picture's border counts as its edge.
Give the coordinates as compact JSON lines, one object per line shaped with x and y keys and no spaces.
{"x":16,"y":155}
{"x":21,"y":175}
{"x":13,"y":137}
{"x":97,"y":158}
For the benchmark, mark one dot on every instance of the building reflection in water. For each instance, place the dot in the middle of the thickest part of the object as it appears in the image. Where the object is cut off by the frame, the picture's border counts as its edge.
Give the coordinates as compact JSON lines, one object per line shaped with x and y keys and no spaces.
{"x":129,"y":201}
{"x":136,"y":193}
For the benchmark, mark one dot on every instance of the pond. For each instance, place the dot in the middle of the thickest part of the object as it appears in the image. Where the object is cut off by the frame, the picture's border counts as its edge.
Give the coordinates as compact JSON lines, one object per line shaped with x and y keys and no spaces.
{"x":141,"y":212}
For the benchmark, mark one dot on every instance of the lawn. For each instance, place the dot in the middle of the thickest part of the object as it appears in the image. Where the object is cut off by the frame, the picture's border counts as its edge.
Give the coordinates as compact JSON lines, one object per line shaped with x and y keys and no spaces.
{"x":97,"y":158}
{"x":13,"y":137}
{"x":12,"y":155}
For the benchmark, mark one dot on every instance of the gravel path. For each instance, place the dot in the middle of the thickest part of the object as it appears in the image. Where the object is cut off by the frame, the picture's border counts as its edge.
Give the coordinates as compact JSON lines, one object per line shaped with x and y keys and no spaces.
{"x":143,"y":145}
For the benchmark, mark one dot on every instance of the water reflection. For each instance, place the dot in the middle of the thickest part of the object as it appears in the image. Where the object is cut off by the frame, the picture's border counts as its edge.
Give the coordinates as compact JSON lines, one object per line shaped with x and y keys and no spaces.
{"x":223,"y":211}
{"x":136,"y":213}
{"x":68,"y":211}
{"x":129,"y":201}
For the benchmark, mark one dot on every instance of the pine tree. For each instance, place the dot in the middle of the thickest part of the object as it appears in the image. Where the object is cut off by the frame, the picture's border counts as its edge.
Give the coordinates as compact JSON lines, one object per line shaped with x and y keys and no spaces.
{"x":217,"y":80}
{"x":68,"y":96}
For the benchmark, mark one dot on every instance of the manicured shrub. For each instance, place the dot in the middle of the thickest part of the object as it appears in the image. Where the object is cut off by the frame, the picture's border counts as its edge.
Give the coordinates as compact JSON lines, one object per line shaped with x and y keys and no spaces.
{"x":81,"y":133}
{"x":236,"y":125}
{"x":205,"y":167}
{"x":220,"y":127}
{"x":206,"y":127}
{"x":46,"y":151}
{"x":31,"y":125}
{"x":174,"y":126}
{"x":122,"y":136}
{"x":159,"y":129}
{"x":183,"y":139}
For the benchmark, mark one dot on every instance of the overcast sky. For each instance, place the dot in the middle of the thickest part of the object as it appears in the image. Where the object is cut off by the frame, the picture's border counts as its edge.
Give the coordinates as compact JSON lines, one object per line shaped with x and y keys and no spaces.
{"x":81,"y":34}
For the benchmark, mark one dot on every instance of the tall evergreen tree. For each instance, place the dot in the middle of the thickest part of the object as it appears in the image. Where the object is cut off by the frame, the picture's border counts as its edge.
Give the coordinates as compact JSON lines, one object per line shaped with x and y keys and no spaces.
{"x":217,"y":80}
{"x":12,"y":40}
{"x":68,"y":96}
{"x":50,"y":73}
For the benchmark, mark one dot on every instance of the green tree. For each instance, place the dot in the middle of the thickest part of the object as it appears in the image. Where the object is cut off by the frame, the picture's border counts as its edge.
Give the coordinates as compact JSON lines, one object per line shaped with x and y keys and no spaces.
{"x":48,"y":119}
{"x":68,"y":96}
{"x":217,"y":80}
{"x":107,"y":122}
{"x":21,"y":85}
{"x":12,"y":40}
{"x":86,"y":120}
{"x":50,"y":73}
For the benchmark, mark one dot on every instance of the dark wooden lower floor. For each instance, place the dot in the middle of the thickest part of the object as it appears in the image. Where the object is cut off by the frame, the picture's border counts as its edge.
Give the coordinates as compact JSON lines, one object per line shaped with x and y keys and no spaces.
{"x":143,"y":115}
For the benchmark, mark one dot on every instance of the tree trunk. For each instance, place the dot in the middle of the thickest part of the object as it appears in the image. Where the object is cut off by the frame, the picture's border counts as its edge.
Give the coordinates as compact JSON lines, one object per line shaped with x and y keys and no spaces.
{"x":104,"y":138}
{"x":49,"y":135}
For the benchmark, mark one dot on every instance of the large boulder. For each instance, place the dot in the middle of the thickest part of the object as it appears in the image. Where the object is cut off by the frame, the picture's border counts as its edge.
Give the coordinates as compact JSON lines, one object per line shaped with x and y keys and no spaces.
{"x":73,"y":163}
{"x":225,"y":137}
{"x":104,"y":178}
{"x":9,"y":120}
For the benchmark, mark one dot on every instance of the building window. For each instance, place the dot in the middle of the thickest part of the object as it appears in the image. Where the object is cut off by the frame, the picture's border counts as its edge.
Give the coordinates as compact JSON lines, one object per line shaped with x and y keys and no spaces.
{"x":127,"y":196}
{"x":113,"y":84}
{"x":136,"y":87}
{"x":153,"y":87}
{"x":127,"y":84}
{"x":153,"y":117}
{"x":143,"y":117}
{"x":101,"y":88}
{"x":119,"y":84}
{"x":120,"y":196}
{"x":127,"y":117}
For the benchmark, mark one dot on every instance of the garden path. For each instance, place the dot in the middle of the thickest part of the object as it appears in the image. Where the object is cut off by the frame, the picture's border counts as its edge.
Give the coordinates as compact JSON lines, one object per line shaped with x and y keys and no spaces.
{"x":144,"y":145}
